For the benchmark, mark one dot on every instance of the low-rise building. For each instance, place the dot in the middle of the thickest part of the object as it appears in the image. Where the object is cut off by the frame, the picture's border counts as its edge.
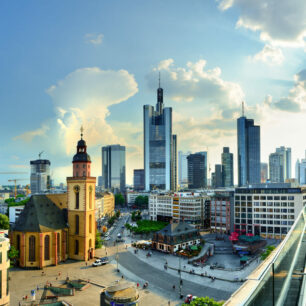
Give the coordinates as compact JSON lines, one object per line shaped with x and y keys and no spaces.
{"x":4,"y":270}
{"x":221,"y":213}
{"x":268,"y":212}
{"x":184,"y":206}
{"x":14,"y":212}
{"x":132,"y":195}
{"x":105,"y":205}
{"x":175,"y":236}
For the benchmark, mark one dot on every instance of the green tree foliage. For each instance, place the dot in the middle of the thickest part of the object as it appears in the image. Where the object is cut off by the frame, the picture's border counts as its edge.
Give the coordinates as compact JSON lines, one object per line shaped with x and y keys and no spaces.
{"x":119,"y":199}
{"x":142,"y":202}
{"x":136,"y":215}
{"x":13,"y":254}
{"x":267,"y":252}
{"x":118,"y":214}
{"x":12,"y":201}
{"x":99,"y":241}
{"x":146,"y":226}
{"x":4,"y":222}
{"x":204,"y":301}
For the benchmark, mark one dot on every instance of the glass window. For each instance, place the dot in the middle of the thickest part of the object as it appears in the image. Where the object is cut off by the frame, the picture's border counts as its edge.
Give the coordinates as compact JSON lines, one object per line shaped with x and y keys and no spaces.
{"x":47,"y":247}
{"x":32,"y":248}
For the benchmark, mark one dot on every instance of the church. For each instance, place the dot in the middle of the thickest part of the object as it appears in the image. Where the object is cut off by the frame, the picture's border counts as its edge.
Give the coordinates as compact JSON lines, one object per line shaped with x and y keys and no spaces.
{"x":55,"y":227}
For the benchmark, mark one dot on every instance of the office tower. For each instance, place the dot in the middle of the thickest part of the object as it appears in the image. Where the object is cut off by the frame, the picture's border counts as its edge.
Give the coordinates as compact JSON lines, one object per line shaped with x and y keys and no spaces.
{"x":183,"y":168}
{"x":113,"y":168}
{"x":40,"y":176}
{"x":158,"y":145}
{"x":297,"y":170}
{"x":227,"y":160}
{"x":173,"y":179}
{"x":248,"y":137}
{"x":218,"y":176}
{"x":139,"y":179}
{"x":100,"y":181}
{"x":263,"y":172}
{"x":276,"y":170}
{"x":300,"y":170}
{"x":204,"y":153}
{"x":196,"y":171}
{"x":286,"y":152}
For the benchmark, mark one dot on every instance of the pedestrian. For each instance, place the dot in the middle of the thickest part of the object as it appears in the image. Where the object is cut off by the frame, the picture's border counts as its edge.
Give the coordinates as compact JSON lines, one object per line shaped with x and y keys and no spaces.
{"x":37,"y":287}
{"x":86,"y":263}
{"x":59,"y":273}
{"x":168,"y":303}
{"x":137,"y":285}
{"x":173,"y":287}
{"x":122,"y":276}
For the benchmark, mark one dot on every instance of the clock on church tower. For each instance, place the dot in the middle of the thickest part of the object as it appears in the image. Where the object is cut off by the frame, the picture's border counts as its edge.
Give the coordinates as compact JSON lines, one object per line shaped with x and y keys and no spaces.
{"x":81,"y":206}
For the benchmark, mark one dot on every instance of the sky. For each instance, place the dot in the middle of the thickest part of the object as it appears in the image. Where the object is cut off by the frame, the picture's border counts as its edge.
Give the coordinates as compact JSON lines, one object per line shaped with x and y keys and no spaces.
{"x":94,"y":63}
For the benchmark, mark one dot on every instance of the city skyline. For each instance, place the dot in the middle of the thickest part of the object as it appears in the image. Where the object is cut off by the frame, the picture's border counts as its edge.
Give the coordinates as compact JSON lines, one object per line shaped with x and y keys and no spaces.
{"x":75,"y":76}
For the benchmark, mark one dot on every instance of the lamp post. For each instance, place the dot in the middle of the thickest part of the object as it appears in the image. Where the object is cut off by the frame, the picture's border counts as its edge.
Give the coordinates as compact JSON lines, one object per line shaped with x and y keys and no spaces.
{"x":117,"y":257}
{"x":181,"y":282}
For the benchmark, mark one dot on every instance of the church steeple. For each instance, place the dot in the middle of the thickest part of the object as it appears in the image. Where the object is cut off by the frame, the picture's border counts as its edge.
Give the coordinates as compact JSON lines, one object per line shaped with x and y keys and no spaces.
{"x":160,"y":97}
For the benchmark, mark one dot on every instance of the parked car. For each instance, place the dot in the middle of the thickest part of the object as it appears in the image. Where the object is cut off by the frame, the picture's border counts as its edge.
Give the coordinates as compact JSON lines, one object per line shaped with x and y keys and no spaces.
{"x":107,"y":238}
{"x":104,"y":260}
{"x":97,"y":263}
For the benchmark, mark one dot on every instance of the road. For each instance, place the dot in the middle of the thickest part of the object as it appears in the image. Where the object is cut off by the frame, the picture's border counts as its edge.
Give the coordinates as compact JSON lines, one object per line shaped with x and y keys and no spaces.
{"x":164,"y":281}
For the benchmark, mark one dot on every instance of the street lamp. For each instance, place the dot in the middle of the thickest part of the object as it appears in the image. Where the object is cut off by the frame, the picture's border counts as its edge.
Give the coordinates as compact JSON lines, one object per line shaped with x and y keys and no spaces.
{"x":181,"y":281}
{"x":117,"y":257}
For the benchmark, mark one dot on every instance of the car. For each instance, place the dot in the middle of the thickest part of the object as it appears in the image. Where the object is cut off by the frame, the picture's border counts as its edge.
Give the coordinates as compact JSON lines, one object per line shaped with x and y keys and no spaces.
{"x":104,"y":260}
{"x":97,"y":263}
{"x":107,"y":238}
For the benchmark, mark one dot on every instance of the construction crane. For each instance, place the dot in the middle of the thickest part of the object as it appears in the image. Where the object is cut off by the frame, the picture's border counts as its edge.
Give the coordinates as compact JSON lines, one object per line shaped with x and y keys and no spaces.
{"x":15,"y":181}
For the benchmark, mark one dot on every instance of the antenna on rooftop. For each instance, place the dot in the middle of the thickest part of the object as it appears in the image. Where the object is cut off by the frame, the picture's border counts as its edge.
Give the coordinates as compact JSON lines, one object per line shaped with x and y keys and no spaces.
{"x":242,"y":108}
{"x":39,"y":154}
{"x":159,"y":79}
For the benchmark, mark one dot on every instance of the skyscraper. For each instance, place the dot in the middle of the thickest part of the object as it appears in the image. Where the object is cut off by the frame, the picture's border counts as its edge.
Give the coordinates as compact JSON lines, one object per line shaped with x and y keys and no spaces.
{"x":218,"y":181}
{"x":183,"y":168}
{"x":248,"y":137}
{"x":204,"y":153}
{"x":196,"y":171}
{"x":300,"y":170}
{"x":263,"y":172}
{"x":139,"y":182}
{"x":159,"y":146}
{"x":276,"y":170}
{"x":227,"y":160}
{"x":40,"y":176}
{"x":286,"y":153}
{"x":173,"y":178}
{"x":113,"y":168}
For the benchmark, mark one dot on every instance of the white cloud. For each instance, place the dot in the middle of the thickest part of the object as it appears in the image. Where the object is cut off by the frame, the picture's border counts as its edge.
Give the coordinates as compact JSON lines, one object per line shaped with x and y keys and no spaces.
{"x":271,"y":55}
{"x":95,"y":39}
{"x":296,"y":99}
{"x":29,"y":135}
{"x":280,"y":22}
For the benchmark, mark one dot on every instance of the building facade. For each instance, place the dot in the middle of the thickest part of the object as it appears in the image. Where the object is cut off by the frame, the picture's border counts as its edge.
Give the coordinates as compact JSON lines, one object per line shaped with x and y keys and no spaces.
{"x":158,"y":145}
{"x":268,"y":212}
{"x":248,"y":138}
{"x":276,"y":170}
{"x":139,"y":179}
{"x":4,"y":270}
{"x":173,"y":177}
{"x":113,"y":168}
{"x":227,"y":160}
{"x":263,"y":172}
{"x":196,"y":171}
{"x":286,"y":153}
{"x":300,"y":171}
{"x":218,"y":178}
{"x":105,"y":205}
{"x":40,"y":176}
{"x":183,"y":168}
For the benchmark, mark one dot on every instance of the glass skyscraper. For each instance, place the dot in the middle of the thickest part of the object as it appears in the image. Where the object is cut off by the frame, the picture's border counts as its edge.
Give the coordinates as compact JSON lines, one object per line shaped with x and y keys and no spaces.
{"x":40,"y":176}
{"x":113,"y":168}
{"x":159,"y":146}
{"x":183,"y":168}
{"x":248,"y":137}
{"x":227,"y":168}
{"x":196,"y":171}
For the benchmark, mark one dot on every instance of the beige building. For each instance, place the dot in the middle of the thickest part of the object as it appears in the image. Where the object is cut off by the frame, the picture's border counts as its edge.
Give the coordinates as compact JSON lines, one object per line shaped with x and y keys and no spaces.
{"x":4,"y":270}
{"x":105,"y":205}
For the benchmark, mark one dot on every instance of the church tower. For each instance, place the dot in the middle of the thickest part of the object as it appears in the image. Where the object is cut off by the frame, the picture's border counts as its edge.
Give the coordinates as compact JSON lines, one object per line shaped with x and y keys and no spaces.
{"x":81,"y":206}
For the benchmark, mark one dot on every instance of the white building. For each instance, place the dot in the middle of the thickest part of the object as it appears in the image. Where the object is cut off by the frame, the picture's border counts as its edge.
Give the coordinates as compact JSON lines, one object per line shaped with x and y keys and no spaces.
{"x":14,"y":212}
{"x":3,"y":207}
{"x":132,"y":195}
{"x":269,"y":212}
{"x":184,"y":206}
{"x":183,"y":168}
{"x":300,"y":170}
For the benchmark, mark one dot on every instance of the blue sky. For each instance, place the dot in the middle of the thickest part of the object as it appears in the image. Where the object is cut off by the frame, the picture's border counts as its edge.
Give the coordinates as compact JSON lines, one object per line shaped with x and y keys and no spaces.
{"x":67,"y":63}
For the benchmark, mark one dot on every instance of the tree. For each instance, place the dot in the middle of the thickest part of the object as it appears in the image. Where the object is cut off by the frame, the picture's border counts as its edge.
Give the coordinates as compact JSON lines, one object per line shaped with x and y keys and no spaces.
{"x":204,"y":301}
{"x":4,"y":222}
{"x":13,"y":254}
{"x":118,"y":214}
{"x":99,"y":241}
{"x":119,"y":199}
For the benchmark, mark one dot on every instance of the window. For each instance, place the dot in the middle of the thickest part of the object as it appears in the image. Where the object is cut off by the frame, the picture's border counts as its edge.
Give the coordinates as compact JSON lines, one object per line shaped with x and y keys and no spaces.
{"x":77,"y":196}
{"x":7,"y":282}
{"x":84,"y":173}
{"x":18,"y":243}
{"x":32,"y":248}
{"x":90,"y":223}
{"x":90,"y":197}
{"x":58,"y":244}
{"x":77,"y":226}
{"x":76,"y":247}
{"x":0,"y":257}
{"x":47,"y":247}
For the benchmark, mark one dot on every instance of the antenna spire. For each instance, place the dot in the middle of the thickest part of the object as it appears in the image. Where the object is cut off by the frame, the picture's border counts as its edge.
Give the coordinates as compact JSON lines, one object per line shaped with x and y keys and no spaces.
{"x":159,"y":79}
{"x":82,"y":130}
{"x":242,"y":108}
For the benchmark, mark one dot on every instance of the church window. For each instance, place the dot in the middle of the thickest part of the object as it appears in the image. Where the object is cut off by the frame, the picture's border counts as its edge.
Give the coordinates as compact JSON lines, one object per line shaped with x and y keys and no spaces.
{"x":47,"y":247}
{"x":18,"y":243}
{"x":77,"y":196}
{"x":77,"y":226}
{"x":58,"y":244}
{"x":90,"y":223}
{"x":90,"y":244}
{"x":90,"y":197}
{"x":76,"y":247}
{"x":32,"y":248}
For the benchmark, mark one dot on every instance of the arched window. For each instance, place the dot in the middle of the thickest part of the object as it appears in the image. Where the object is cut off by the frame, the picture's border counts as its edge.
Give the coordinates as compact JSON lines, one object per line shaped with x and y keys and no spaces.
{"x":77,"y":196}
{"x":47,"y":247}
{"x":58,"y":244}
{"x":90,"y":197}
{"x":77,"y":224}
{"x":18,"y":243}
{"x":90,"y":244}
{"x":90,"y":223}
{"x":32,"y":248}
{"x":76,"y":247}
